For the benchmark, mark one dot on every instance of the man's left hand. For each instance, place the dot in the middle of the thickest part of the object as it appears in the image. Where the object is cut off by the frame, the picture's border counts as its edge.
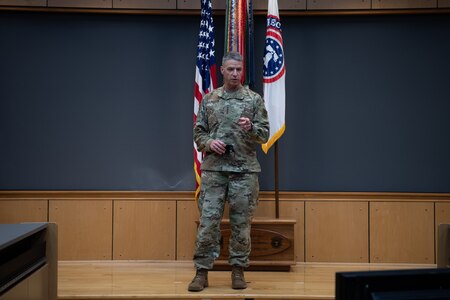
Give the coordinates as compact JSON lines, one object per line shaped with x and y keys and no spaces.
{"x":245,"y":123}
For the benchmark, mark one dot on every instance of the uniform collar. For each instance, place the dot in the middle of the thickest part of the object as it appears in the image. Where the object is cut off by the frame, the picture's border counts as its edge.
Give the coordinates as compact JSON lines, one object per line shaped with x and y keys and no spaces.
{"x":238,"y":94}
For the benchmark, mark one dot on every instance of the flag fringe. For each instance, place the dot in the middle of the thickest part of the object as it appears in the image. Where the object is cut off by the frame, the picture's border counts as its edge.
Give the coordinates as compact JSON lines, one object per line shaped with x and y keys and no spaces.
{"x":265,"y":147}
{"x":197,"y":180}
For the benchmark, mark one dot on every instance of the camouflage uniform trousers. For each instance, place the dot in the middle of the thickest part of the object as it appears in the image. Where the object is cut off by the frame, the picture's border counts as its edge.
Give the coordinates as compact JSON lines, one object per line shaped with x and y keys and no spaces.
{"x":241,"y":190}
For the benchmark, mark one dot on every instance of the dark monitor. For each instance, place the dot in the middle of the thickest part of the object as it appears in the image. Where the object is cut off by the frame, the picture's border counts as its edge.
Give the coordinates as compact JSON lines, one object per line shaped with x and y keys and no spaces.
{"x":393,"y":284}
{"x":443,"y":246}
{"x":22,"y":251}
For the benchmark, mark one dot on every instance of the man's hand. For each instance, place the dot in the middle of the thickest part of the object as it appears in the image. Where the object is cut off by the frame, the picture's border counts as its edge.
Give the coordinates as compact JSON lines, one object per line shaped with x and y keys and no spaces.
{"x":218,"y":146}
{"x":245,"y":123}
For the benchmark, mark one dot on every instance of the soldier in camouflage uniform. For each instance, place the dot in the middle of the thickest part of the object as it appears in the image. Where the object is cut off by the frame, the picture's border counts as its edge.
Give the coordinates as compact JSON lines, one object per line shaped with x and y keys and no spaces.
{"x":232,"y":120}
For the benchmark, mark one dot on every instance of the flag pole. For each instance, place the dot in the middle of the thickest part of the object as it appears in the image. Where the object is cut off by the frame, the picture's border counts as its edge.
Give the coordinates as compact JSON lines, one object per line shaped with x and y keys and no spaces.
{"x":274,"y":87}
{"x":277,"y":194}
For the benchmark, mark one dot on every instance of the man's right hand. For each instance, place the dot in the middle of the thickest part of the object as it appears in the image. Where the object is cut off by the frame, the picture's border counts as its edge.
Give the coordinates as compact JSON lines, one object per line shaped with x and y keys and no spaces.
{"x":217,"y":146}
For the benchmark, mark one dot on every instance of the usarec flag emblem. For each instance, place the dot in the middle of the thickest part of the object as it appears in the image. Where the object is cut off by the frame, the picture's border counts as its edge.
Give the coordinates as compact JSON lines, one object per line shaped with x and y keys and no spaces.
{"x":274,"y":73}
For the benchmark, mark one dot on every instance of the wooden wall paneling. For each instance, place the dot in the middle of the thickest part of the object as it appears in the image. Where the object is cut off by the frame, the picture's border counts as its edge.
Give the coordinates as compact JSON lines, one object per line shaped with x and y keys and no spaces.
{"x":38,"y":3}
{"x":441,"y":216}
{"x":257,"y":4}
{"x":341,"y":4}
{"x":194,"y":4}
{"x":402,"y":232}
{"x":84,"y":228}
{"x":144,"y":230}
{"x":81,"y":3}
{"x":336,"y":231}
{"x":76,"y":222}
{"x":265,"y":209}
{"x":397,"y":4}
{"x":20,"y":211}
{"x":443,"y":3}
{"x":187,"y":214}
{"x":295,"y":210}
{"x":145,"y":4}
{"x":282,"y":5}
{"x":442,"y":211}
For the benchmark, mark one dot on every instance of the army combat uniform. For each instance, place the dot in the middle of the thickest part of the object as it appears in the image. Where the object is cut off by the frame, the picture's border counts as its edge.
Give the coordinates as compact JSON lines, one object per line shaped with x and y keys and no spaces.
{"x":232,"y":176}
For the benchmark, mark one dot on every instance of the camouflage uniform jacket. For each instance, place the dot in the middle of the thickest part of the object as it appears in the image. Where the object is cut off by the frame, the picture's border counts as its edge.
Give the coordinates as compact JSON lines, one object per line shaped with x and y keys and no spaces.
{"x":218,"y":117}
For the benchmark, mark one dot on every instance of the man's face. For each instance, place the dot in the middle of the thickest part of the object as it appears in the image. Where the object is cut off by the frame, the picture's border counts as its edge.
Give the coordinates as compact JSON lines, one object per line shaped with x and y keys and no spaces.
{"x":232,"y":74}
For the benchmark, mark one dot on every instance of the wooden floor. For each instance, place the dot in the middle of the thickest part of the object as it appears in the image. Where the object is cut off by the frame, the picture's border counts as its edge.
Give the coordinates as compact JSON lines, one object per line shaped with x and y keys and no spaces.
{"x":169,"y":280}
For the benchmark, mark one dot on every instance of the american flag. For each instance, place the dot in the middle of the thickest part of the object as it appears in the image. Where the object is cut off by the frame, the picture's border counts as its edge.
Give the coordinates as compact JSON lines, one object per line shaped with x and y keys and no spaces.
{"x":205,"y":73}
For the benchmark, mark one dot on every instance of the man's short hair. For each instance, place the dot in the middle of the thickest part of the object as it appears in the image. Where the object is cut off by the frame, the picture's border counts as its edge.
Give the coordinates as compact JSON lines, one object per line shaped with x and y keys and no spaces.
{"x":232,"y":55}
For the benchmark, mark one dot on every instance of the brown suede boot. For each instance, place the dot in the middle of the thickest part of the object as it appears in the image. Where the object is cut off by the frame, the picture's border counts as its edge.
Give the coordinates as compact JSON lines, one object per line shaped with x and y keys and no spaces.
{"x":237,"y":278}
{"x":200,"y":281}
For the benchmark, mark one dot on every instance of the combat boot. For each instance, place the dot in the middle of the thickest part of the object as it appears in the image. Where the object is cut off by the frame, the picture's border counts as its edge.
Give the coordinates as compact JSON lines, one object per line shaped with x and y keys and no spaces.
{"x":237,"y":278}
{"x":200,"y":281}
